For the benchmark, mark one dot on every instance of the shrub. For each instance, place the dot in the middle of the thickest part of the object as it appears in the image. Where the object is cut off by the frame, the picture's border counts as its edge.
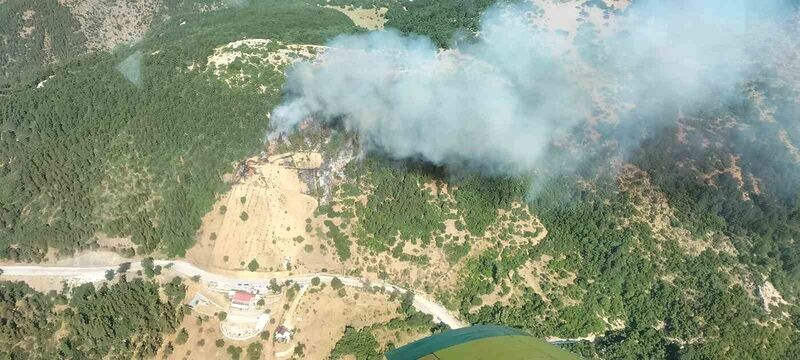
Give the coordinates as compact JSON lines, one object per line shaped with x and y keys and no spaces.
{"x":253,"y":265}
{"x":182,"y":337}
{"x":336,"y":284}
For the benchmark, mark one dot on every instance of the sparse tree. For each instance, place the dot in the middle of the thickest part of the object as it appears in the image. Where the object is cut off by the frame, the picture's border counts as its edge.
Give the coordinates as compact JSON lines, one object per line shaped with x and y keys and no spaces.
{"x":182,"y":337}
{"x":253,"y":265}
{"x":235,"y":352}
{"x":336,"y":284}
{"x":254,"y":350}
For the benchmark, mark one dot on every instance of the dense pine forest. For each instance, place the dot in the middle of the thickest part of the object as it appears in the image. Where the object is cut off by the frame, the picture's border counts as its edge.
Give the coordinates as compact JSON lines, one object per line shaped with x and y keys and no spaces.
{"x":132,"y":143}
{"x":135,"y":142}
{"x":128,"y":319}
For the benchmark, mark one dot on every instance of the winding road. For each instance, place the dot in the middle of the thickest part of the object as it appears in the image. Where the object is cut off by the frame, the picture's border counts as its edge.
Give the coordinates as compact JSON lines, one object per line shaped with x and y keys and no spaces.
{"x":84,"y":274}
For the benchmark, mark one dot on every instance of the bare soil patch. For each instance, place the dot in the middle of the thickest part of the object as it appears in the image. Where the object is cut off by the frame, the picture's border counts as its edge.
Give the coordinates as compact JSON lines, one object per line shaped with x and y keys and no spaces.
{"x":109,"y":23}
{"x":370,"y":19}
{"x":254,"y":56}
{"x":322,"y":316}
{"x":262,"y":217}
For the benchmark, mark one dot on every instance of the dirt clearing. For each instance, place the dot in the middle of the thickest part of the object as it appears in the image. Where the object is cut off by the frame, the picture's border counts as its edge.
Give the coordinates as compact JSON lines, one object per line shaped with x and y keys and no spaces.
{"x":322,"y":316}
{"x":370,"y":19}
{"x":262,"y":217}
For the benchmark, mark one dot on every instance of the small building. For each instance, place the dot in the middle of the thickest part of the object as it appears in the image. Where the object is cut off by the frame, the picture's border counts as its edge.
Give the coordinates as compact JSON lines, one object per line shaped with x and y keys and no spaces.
{"x":198,"y":299}
{"x":242,"y":300}
{"x":283,"y":334}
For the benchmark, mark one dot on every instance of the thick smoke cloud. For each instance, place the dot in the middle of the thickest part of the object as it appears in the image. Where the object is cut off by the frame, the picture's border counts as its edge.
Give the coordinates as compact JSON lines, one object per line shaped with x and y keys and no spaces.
{"x":501,"y":102}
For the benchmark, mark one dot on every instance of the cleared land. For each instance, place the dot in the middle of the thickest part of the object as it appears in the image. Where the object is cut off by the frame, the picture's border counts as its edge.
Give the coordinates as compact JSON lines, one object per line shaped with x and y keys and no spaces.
{"x":370,"y":19}
{"x":322,"y":316}
{"x":262,"y":217}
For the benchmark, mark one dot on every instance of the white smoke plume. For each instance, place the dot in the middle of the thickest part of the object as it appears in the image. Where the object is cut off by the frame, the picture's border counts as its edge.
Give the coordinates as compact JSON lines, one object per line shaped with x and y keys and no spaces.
{"x":499,"y":103}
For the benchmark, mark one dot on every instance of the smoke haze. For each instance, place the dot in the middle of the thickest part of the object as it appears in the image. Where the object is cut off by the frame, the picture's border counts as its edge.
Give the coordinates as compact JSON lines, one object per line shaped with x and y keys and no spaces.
{"x":501,"y":102}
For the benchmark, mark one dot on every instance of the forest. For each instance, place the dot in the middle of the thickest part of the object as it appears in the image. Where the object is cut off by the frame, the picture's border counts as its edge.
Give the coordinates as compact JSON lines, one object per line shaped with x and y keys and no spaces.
{"x":133,"y":143}
{"x":128,"y":319}
{"x":674,"y":303}
{"x":137,"y":150}
{"x":38,"y":21}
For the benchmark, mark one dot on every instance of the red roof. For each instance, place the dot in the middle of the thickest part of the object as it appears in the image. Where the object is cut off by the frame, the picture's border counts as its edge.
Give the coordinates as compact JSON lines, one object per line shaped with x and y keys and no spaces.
{"x":243,"y":297}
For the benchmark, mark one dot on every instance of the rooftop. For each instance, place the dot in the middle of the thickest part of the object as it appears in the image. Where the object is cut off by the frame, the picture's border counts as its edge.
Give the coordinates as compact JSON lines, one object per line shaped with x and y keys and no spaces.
{"x":242,"y":296}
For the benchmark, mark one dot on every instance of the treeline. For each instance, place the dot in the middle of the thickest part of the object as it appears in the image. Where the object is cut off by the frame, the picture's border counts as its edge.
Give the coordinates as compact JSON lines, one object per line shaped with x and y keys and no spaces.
{"x":28,"y":319}
{"x":92,"y":152}
{"x":128,"y":319}
{"x":440,"y":20}
{"x":361,"y":344}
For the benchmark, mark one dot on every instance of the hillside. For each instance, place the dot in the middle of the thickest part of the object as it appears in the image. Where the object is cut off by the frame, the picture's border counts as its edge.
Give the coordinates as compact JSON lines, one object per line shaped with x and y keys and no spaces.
{"x":662,"y":229}
{"x":130,"y":154}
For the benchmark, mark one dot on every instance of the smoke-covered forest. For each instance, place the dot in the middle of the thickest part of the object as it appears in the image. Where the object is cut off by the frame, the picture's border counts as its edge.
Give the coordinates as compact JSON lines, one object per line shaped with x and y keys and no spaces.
{"x":659,"y":247}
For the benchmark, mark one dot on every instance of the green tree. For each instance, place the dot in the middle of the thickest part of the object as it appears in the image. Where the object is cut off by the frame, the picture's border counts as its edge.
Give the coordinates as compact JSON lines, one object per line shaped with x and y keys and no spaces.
{"x":234,"y":351}
{"x":406,"y":303}
{"x":359,"y":343}
{"x":147,"y":266}
{"x":253,"y":265}
{"x":182,"y":337}
{"x":254,"y":350}
{"x":336,"y":284}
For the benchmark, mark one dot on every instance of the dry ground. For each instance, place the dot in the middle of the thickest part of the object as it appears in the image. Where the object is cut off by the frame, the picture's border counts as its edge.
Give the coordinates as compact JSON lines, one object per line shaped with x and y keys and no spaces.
{"x":322,"y":316}
{"x":370,"y":19}
{"x":276,"y":206}
{"x":208,"y":331}
{"x":42,"y":284}
{"x":109,"y":23}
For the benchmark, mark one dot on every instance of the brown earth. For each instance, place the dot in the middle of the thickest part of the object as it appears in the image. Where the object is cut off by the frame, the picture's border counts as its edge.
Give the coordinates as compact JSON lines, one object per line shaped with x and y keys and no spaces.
{"x":276,"y":205}
{"x":107,"y":24}
{"x":322,"y":316}
{"x":370,"y":19}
